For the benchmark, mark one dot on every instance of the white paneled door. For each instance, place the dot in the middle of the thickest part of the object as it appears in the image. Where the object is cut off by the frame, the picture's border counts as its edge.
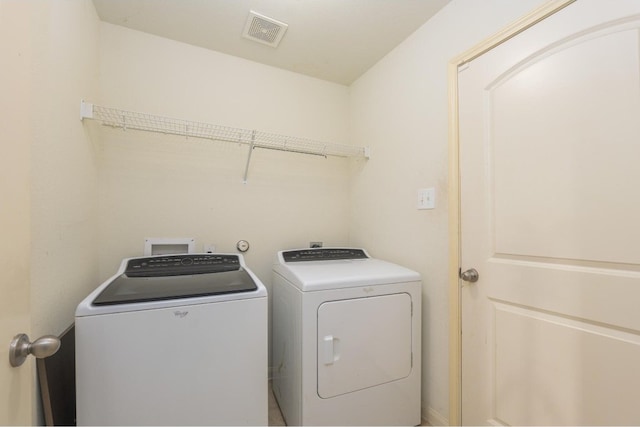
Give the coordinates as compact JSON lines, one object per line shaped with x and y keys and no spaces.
{"x":550,"y":219}
{"x":16,"y":386}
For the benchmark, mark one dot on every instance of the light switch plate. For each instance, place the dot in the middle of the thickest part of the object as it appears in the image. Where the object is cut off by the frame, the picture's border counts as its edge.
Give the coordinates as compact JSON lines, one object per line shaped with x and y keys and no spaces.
{"x":426,"y":198}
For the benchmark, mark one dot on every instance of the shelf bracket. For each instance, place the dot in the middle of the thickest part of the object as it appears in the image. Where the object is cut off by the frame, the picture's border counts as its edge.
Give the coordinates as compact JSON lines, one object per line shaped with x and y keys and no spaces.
{"x":86,"y":110}
{"x":251,"y":147}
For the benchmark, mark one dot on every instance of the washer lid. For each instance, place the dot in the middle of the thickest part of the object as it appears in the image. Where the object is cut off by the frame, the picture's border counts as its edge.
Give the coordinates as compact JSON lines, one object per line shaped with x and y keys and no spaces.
{"x":175,"y":277}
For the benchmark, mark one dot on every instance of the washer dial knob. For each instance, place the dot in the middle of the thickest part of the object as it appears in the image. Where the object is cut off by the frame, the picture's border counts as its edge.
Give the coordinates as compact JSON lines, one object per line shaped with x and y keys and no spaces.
{"x":242,"y":245}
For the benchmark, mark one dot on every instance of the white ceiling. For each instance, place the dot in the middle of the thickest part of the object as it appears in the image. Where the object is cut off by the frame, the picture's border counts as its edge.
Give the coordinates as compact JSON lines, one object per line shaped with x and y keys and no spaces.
{"x":334,"y":40}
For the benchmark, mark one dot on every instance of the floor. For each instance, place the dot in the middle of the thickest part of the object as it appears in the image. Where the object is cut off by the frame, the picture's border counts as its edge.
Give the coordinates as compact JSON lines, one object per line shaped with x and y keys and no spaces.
{"x":275,"y":416}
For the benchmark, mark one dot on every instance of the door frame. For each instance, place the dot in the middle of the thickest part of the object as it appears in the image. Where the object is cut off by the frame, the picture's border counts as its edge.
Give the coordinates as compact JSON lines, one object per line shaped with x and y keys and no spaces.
{"x":455,"y":309}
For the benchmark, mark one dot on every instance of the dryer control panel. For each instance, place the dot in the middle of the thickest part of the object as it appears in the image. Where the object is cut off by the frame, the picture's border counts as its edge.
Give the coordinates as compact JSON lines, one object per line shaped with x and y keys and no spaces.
{"x":178,"y":265}
{"x":323,"y":254}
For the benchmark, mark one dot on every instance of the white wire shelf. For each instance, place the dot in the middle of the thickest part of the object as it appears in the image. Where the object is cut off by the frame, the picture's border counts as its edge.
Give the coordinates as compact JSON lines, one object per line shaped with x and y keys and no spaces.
{"x":254,"y":139}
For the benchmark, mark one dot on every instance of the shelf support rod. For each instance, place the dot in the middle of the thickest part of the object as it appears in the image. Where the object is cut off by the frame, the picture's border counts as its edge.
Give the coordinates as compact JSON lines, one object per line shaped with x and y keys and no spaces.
{"x":251,"y":147}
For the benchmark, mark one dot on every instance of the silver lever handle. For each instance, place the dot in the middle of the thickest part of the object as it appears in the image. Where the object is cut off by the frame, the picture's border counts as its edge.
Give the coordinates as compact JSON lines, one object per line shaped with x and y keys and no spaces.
{"x":471,"y":275}
{"x":20,"y":348}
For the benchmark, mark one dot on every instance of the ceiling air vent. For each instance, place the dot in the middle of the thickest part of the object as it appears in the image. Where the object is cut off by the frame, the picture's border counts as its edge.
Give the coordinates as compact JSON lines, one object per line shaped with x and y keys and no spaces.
{"x":262,"y":29}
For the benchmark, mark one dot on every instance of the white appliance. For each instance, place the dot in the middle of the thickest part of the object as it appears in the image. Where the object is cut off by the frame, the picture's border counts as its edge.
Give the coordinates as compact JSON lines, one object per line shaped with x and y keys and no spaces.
{"x":346,"y":346}
{"x":174,"y":340}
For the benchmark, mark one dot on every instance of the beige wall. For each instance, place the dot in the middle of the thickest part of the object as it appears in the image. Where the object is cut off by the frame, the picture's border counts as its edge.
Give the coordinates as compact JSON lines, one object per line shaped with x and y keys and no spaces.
{"x":63,"y":165}
{"x":167,"y":186}
{"x":399,"y":108}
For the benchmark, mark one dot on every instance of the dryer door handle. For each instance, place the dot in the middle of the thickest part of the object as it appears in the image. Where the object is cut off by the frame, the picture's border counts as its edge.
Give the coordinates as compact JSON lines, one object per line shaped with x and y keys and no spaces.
{"x":330,"y":347}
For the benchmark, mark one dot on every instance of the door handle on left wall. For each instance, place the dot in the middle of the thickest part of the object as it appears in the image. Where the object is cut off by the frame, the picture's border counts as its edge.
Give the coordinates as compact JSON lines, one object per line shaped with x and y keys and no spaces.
{"x":21,"y":347}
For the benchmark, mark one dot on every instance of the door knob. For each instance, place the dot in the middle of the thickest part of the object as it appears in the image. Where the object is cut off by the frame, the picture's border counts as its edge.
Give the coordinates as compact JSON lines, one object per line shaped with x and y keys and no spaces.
{"x":20,"y":348}
{"x":471,"y":275}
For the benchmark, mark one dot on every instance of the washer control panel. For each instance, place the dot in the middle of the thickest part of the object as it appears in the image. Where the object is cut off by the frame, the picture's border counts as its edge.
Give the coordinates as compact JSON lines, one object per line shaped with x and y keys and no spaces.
{"x":323,"y":254}
{"x":177,"y":265}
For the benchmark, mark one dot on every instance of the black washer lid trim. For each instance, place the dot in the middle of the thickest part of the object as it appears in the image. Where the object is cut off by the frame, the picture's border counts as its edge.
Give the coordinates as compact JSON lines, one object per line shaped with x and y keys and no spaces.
{"x":180,"y":265}
{"x":323,"y":254}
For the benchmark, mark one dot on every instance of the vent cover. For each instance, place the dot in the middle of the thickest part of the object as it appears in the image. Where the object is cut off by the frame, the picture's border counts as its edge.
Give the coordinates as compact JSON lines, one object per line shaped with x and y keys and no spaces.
{"x":262,"y":29}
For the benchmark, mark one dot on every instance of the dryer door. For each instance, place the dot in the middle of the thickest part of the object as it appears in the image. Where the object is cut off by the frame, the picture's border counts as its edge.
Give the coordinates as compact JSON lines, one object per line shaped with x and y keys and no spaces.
{"x":363,"y":342}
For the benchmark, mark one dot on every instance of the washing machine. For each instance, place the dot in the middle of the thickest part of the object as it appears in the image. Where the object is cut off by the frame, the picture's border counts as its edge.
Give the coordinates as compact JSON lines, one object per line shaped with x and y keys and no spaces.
{"x":174,"y":340}
{"x":346,"y":344}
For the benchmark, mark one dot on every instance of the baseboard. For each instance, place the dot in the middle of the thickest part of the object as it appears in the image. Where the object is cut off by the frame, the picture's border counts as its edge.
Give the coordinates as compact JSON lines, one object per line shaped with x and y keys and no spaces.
{"x":434,"y":418}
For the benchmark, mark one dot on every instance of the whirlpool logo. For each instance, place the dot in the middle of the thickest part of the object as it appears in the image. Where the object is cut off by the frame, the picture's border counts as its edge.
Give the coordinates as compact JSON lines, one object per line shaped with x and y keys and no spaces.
{"x":180,"y":314}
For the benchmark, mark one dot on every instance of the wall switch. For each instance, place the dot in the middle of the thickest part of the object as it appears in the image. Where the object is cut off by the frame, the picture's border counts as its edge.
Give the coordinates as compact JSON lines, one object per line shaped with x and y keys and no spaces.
{"x":426,"y":198}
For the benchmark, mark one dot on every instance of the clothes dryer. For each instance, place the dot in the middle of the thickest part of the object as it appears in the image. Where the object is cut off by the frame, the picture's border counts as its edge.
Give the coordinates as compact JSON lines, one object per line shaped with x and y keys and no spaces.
{"x":346,"y":345}
{"x":174,"y":340}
